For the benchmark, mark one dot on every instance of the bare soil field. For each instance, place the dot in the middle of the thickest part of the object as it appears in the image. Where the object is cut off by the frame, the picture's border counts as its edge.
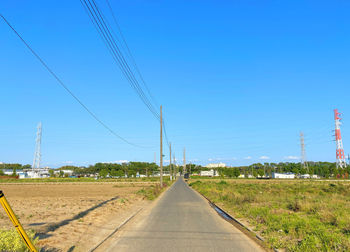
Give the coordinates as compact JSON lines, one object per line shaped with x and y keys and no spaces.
{"x":72,"y":216}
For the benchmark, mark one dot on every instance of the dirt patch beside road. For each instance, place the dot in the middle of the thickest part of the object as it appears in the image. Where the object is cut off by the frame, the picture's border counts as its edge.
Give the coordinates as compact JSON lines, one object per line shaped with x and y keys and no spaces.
{"x":71,"y":217}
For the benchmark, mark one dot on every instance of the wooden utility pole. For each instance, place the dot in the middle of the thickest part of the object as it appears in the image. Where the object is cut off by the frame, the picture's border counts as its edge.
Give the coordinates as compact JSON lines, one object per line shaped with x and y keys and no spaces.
{"x":170,"y":168}
{"x":175,"y":169}
{"x":161,"y":148}
{"x":184,"y":170}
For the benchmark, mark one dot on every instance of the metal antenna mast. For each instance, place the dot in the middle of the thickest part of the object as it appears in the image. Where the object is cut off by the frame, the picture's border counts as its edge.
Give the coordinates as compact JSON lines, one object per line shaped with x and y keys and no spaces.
{"x":37,"y":153}
{"x":303,"y":153}
{"x":341,"y":163}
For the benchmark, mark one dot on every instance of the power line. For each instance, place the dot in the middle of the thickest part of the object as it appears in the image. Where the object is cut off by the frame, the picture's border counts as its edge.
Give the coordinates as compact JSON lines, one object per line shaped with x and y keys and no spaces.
{"x":132,"y":77}
{"x":105,"y":33}
{"x":64,"y":86}
{"x":129,"y":52}
{"x":166,"y":135}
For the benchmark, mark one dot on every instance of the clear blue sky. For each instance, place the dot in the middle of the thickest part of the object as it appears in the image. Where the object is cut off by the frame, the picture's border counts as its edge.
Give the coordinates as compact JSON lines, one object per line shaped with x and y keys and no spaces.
{"x":238,"y":80}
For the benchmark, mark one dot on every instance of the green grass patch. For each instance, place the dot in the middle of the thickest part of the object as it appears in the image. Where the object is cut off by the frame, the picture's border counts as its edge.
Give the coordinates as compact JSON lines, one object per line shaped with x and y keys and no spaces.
{"x":11,"y":241}
{"x":294,"y":215}
{"x":153,"y":191}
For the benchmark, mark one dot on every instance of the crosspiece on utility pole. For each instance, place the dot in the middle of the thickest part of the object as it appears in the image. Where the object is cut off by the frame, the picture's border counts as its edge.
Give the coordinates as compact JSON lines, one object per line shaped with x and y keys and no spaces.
{"x":161,"y":148}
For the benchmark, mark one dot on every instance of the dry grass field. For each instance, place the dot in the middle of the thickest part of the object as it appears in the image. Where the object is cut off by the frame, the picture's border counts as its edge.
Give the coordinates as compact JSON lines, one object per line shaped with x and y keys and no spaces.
{"x":292,"y":215}
{"x":72,"y":216}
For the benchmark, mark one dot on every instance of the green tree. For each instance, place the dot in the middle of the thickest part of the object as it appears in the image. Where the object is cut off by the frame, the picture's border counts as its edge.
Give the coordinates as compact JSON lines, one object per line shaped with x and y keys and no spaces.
{"x":14,"y":172}
{"x":236,"y":172}
{"x":103,"y":173}
{"x":261,"y":172}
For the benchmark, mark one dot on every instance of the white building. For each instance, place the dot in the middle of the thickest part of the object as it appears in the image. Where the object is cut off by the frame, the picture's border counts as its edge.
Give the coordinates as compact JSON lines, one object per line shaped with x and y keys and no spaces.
{"x":211,"y":173}
{"x":216,"y":165}
{"x":288,"y":175}
{"x":9,"y":172}
{"x":305,"y":176}
{"x":308,"y":176}
{"x":37,"y":173}
{"x":20,"y":173}
{"x":68,"y":172}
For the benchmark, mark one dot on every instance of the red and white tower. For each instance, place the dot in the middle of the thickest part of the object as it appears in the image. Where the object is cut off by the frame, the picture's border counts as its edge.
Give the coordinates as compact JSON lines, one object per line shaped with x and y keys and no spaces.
{"x":341,"y":163}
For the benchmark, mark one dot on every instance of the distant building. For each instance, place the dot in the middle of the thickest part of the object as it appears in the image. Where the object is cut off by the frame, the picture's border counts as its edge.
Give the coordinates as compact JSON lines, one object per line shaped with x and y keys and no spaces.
{"x":22,"y":175}
{"x":37,"y":173}
{"x":216,"y":165}
{"x":305,"y":176}
{"x":308,"y":176}
{"x":68,"y":172}
{"x":288,"y":175}
{"x":10,"y":172}
{"x":211,"y":173}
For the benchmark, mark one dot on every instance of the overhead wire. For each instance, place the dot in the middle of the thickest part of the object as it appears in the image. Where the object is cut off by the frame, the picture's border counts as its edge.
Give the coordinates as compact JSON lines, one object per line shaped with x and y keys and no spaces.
{"x":106,"y":34}
{"x":66,"y":87}
{"x":129,"y":52}
{"x":103,"y":29}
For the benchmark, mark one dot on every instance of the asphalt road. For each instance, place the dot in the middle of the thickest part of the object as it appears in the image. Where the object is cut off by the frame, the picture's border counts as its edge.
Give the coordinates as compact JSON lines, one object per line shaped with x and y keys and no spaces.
{"x":181,"y":220}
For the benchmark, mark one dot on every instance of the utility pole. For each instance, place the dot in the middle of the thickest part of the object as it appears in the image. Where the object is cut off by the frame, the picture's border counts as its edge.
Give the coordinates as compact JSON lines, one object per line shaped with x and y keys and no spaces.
{"x":175,"y":167}
{"x":170,"y":168}
{"x":161,"y":148}
{"x":303,"y":155}
{"x":155,"y":158}
{"x":184,"y":170}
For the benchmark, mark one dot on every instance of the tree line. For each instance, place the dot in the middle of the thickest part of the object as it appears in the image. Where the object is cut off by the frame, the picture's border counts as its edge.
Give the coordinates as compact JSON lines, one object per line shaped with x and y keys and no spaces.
{"x":131,"y":169}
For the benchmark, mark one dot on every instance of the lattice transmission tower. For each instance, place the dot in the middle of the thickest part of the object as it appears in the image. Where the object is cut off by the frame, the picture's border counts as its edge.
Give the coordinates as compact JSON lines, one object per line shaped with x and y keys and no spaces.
{"x":303,"y":153}
{"x":37,"y":153}
{"x":341,"y":163}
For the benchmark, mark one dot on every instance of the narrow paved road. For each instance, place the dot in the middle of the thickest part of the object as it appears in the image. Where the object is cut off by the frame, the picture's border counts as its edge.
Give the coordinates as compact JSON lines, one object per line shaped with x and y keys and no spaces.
{"x":181,"y":221}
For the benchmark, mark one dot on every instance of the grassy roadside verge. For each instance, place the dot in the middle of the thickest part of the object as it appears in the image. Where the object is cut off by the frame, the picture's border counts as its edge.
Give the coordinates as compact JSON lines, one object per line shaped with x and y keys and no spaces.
{"x":153,"y":191}
{"x":293,"y":215}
